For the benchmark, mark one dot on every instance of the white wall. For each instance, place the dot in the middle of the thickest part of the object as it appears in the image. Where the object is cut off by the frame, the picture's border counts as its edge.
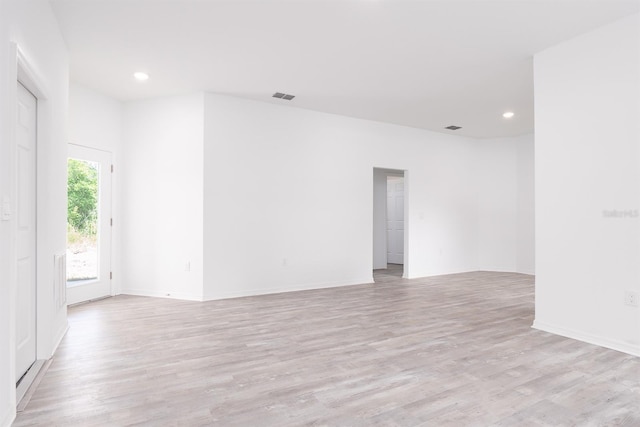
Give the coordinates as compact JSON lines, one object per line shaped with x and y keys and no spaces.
{"x":95,"y":121}
{"x":379,"y":218}
{"x":162,"y":205}
{"x":288,"y":198}
{"x":525,"y":226}
{"x":284,"y":198}
{"x":33,"y":27}
{"x":497,"y":207}
{"x":505,"y":204}
{"x":587,"y":94}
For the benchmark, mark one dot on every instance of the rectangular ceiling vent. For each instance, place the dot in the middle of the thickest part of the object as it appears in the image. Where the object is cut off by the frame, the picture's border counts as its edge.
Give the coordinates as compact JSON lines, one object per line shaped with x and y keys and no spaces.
{"x":453,"y":127}
{"x":281,"y":95}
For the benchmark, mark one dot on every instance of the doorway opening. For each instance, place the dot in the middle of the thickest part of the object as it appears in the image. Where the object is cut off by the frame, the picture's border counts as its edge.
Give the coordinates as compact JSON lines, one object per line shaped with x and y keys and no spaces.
{"x":389,"y":225}
{"x":88,"y":224}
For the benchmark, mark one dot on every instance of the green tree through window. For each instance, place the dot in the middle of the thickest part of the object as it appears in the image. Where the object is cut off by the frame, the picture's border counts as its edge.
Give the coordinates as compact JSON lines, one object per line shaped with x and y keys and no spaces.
{"x":82,"y":193}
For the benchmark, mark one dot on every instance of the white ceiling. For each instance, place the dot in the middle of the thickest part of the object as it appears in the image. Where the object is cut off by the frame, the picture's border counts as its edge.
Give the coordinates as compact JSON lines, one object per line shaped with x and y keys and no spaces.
{"x":425,"y":64}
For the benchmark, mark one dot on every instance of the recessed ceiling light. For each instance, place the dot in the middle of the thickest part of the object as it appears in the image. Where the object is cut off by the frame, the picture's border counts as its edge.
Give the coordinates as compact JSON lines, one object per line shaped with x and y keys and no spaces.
{"x":508,"y":114}
{"x":140,"y":76}
{"x":453,"y":127}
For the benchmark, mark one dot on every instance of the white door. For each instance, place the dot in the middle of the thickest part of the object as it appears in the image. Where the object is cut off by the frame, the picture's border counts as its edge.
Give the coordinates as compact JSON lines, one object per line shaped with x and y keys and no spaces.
{"x":88,"y":224}
{"x":395,"y":220}
{"x":26,"y":231}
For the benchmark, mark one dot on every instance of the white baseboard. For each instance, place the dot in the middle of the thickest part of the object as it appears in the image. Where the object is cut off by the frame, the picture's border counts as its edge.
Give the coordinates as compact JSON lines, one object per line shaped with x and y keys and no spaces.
{"x":279,"y":290}
{"x":23,"y":398}
{"x":28,"y":381}
{"x":244,"y":292}
{"x":631,"y":349}
{"x":162,"y":294}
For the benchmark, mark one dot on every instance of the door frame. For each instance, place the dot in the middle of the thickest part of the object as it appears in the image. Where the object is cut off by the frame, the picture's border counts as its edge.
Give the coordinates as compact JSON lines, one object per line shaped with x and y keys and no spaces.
{"x":407,"y":195}
{"x":82,"y":293}
{"x":23,"y":71}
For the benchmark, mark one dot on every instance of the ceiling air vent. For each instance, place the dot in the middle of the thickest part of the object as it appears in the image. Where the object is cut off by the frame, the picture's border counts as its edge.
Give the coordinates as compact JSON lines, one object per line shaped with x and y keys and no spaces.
{"x":453,"y":127}
{"x":281,"y":95}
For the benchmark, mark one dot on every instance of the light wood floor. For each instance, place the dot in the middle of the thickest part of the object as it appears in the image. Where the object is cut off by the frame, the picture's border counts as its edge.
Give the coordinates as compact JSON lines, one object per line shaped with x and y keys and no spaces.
{"x":453,"y":350}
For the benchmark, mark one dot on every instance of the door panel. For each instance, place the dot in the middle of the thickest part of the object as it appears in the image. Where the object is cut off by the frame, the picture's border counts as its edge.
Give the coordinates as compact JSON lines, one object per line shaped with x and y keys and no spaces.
{"x":26,"y":231}
{"x":395,"y":220}
{"x":89,"y":249}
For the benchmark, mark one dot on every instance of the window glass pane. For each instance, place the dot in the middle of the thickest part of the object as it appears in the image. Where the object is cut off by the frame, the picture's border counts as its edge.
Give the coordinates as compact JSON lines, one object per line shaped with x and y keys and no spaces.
{"x":82,"y":220}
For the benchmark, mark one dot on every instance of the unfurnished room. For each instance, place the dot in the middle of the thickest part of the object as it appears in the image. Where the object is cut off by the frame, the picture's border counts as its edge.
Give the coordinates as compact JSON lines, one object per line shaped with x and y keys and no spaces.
{"x":319,"y":213}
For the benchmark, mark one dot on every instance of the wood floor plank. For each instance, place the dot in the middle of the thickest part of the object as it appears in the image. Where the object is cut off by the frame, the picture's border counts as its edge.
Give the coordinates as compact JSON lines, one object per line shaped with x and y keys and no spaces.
{"x":451,"y":350}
